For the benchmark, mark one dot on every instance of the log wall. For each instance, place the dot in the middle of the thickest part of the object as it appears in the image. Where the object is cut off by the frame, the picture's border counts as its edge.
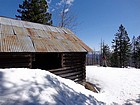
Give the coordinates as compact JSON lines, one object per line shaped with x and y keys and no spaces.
{"x":73,"y":67}
{"x":15,"y":60}
{"x":72,"y":64}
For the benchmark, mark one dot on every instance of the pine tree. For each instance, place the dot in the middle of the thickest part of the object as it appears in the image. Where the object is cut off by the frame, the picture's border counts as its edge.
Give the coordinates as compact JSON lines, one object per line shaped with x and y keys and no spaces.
{"x":136,"y":52}
{"x":114,"y":59}
{"x":133,"y":53}
{"x":35,"y":11}
{"x":121,"y":46}
{"x":106,"y":55}
{"x":101,"y":53}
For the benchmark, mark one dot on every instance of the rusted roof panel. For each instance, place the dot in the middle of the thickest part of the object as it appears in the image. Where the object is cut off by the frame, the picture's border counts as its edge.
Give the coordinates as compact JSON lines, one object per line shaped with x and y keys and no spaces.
{"x":66,"y":31}
{"x":48,"y":35}
{"x":22,"y":36}
{"x":18,"y":30}
{"x":7,"y":29}
{"x":26,"y":43}
{"x":30,"y":32}
{"x":88,"y":49}
{"x":57,"y":35}
{"x":10,"y":43}
{"x":38,"y":45}
{"x":63,"y":46}
{"x":4,"y":45}
{"x":59,"y":46}
{"x":49,"y":45}
{"x":76,"y":47}
{"x":69,"y":37}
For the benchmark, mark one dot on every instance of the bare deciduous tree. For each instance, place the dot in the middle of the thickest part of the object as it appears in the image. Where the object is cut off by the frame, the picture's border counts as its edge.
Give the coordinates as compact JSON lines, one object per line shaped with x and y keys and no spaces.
{"x":66,"y":18}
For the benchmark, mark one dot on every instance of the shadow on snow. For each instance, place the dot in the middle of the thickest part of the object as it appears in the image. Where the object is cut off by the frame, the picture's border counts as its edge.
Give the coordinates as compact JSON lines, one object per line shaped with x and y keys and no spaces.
{"x":64,"y":94}
{"x":131,"y":101}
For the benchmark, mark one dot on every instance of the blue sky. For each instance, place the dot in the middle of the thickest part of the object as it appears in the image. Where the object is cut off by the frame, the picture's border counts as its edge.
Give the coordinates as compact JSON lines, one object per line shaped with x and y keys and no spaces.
{"x":99,"y":19}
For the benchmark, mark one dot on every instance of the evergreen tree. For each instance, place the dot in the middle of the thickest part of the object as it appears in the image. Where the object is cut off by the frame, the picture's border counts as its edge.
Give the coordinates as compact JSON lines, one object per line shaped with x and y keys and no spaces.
{"x":121,"y":46}
{"x":106,"y":55}
{"x":133,"y":53}
{"x":35,"y":11}
{"x":136,"y":52}
{"x":114,"y":59}
{"x":101,"y":53}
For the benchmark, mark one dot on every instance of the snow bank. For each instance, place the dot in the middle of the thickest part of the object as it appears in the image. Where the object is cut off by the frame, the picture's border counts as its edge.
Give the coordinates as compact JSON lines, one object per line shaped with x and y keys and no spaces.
{"x":39,"y":87}
{"x":118,"y":85}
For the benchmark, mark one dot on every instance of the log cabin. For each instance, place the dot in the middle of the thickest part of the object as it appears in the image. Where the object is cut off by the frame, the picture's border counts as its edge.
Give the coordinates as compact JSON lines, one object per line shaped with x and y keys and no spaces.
{"x":32,"y":45}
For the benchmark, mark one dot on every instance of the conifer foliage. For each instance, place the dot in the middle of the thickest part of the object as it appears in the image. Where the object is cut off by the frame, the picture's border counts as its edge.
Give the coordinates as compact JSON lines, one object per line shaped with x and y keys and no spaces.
{"x":136,"y":52}
{"x":105,"y":55}
{"x":121,"y":48}
{"x":35,"y":11}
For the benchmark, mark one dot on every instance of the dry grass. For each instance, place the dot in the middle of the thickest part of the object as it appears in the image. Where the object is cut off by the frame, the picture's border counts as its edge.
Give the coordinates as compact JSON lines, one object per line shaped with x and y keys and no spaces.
{"x":91,"y":87}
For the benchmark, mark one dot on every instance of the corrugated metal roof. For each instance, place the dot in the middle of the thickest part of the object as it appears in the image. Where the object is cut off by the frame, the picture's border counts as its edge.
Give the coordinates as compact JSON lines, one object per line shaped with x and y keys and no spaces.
{"x":22,"y":36}
{"x":0,"y":25}
{"x":5,"y":21}
{"x":18,"y":30}
{"x":7,"y":29}
{"x":16,"y":23}
{"x":26,"y":43}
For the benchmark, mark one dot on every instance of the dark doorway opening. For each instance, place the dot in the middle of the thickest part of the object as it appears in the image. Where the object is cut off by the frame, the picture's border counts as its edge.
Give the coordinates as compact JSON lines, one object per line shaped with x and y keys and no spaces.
{"x":47,"y":61}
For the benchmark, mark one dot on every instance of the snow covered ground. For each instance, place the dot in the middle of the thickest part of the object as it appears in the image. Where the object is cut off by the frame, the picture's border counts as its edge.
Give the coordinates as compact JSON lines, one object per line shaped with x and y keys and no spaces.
{"x":39,"y":87}
{"x":118,"y":85}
